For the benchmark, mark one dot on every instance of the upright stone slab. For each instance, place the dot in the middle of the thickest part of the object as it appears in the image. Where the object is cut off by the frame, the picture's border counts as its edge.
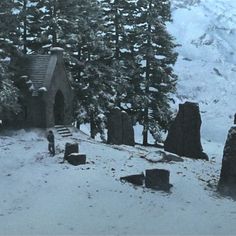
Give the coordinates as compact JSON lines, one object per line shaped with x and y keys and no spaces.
{"x":227,"y":182}
{"x":71,"y":148}
{"x":115,"y":127}
{"x":120,"y":128}
{"x":127,"y":130}
{"x":184,"y":134}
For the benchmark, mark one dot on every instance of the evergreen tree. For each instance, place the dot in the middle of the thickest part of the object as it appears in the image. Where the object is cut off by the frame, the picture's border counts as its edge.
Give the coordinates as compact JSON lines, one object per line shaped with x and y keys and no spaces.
{"x":25,"y":12}
{"x":8,"y":93}
{"x":116,"y":28}
{"x":65,"y":23}
{"x":97,"y":76}
{"x":8,"y":26}
{"x":155,"y":56}
{"x":48,"y":27}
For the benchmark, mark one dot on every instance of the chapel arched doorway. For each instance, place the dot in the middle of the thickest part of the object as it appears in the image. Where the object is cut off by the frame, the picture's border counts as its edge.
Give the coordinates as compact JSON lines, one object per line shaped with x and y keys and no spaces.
{"x":59,"y":111}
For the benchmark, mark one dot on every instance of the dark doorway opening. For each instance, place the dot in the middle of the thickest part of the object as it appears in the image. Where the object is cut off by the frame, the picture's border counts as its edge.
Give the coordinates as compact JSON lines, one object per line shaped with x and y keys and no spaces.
{"x":59,"y":108}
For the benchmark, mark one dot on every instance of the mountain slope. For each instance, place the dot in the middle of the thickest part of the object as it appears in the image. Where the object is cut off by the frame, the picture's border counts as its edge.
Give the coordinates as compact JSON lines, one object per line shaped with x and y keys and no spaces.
{"x":206,"y":31}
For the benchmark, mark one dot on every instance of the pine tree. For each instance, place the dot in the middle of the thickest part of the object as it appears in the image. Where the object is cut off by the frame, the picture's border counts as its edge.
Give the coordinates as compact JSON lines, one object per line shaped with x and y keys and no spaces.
{"x":109,"y":73}
{"x":96,"y":74}
{"x":25,"y":13}
{"x":117,"y":26}
{"x":154,"y":53}
{"x":40,"y":21}
{"x":8,"y":93}
{"x":36,"y":39}
{"x":48,"y":17}
{"x":65,"y":23}
{"x":8,"y":33}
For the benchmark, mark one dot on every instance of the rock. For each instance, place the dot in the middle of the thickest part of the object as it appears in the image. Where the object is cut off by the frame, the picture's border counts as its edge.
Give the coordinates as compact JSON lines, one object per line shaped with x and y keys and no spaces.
{"x":204,"y":156}
{"x":158,"y":179}
{"x":227,"y":182}
{"x":171,"y":157}
{"x":120,"y":128}
{"x":71,"y":148}
{"x":184,"y":134}
{"x":76,"y":159}
{"x":134,"y":179}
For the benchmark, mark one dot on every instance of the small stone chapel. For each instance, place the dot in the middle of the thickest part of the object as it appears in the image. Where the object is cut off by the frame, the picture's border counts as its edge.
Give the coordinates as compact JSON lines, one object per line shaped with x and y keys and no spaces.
{"x":49,"y":102}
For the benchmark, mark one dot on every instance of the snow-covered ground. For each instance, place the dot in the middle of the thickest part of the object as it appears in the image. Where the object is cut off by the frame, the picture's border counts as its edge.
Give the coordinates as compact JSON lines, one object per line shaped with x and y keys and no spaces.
{"x":40,"y":196}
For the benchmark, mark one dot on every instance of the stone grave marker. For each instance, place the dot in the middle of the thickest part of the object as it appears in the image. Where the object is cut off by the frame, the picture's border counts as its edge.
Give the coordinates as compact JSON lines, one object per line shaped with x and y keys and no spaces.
{"x":184,"y":137}
{"x":120,"y":128}
{"x":227,"y":182}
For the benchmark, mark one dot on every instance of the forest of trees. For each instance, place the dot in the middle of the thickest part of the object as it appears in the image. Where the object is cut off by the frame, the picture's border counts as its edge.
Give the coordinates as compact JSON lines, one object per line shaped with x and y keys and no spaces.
{"x":118,"y":52}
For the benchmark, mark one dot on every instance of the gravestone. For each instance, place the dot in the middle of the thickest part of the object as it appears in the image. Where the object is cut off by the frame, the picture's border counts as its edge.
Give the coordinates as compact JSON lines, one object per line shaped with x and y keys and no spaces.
{"x":114,"y":127}
{"x":158,"y":179}
{"x":184,"y":138}
{"x":71,"y":148}
{"x":227,"y":182}
{"x":76,"y":159}
{"x":127,"y":130}
{"x":120,"y":128}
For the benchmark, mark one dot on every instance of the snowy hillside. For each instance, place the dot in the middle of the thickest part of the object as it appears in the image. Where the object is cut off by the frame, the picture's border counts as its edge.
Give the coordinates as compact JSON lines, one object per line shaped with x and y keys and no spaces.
{"x":206,"y":31}
{"x":40,"y":196}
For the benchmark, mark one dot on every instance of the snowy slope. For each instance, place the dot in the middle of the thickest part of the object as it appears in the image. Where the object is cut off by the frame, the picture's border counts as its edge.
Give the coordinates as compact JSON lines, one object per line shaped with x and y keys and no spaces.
{"x":206,"y":31}
{"x":40,"y":196}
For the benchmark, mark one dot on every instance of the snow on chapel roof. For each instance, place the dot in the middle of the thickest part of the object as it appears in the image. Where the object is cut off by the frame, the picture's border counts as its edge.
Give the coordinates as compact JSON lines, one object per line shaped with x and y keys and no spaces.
{"x":40,"y":68}
{"x":35,"y":66}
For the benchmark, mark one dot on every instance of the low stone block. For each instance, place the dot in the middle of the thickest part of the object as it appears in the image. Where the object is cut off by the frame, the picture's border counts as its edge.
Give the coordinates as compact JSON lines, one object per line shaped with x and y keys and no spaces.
{"x":76,"y":159}
{"x":158,"y":179}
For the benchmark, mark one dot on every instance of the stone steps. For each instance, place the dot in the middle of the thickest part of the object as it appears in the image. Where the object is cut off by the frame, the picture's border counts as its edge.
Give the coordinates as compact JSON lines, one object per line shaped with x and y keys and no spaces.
{"x":63,"y":131}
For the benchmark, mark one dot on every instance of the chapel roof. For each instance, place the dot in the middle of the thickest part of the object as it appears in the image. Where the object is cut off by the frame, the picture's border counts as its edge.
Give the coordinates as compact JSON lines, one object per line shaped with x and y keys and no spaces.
{"x":39,"y":69}
{"x":35,"y":67}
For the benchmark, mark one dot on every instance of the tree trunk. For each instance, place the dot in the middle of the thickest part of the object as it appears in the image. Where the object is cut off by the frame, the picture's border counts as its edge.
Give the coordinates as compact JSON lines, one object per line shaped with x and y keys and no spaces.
{"x":147,"y":85}
{"x":145,"y":127}
{"x":116,"y":22}
{"x":24,"y":27}
{"x":53,"y":13}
